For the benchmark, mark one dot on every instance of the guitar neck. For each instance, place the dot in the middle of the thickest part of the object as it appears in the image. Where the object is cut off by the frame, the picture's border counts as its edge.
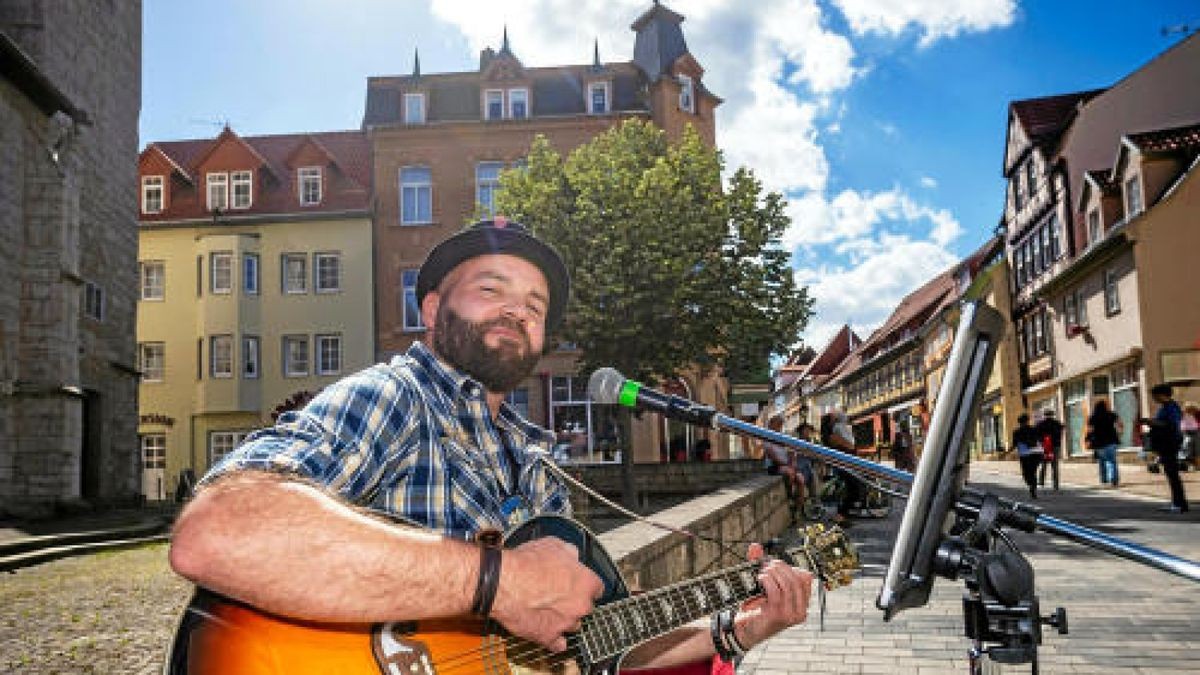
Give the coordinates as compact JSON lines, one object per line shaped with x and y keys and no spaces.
{"x":616,"y":627}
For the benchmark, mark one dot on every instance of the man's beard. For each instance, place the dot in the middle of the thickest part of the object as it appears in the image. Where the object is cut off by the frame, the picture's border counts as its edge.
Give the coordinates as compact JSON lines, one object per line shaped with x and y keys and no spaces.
{"x":499,"y":369}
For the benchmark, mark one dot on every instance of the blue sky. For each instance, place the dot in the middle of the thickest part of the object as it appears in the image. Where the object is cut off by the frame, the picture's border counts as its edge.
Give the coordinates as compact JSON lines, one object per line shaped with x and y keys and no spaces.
{"x":882,"y":121}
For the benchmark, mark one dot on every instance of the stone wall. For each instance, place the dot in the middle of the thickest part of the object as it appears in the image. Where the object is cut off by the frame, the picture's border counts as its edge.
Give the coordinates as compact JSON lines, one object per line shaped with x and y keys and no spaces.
{"x":68,"y":383}
{"x":650,"y":557}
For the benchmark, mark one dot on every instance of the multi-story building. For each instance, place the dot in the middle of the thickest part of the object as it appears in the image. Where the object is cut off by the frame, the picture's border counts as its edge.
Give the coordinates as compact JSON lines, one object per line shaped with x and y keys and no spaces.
{"x":256,"y":287}
{"x":1125,"y":314}
{"x":440,"y":141}
{"x":1062,"y":200}
{"x":70,"y":94}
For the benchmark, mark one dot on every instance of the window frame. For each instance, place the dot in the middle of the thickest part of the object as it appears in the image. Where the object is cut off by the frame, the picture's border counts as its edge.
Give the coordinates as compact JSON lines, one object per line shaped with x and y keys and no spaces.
{"x":601,"y":85}
{"x":213,"y":257}
{"x":286,"y":356}
{"x":492,"y":185}
{"x":1093,"y":226}
{"x":144,"y":359}
{"x":1112,"y":292}
{"x":156,"y":442}
{"x":215,"y":359}
{"x":405,"y":290}
{"x":211,"y":182}
{"x":161,"y":187}
{"x":93,"y":301}
{"x":511,"y":100}
{"x":416,"y":186}
{"x":248,"y":274}
{"x":305,"y":174}
{"x":319,"y":343}
{"x":687,"y":92}
{"x":283,"y":273}
{"x":487,"y":103}
{"x":235,"y":439}
{"x":1134,"y":204}
{"x":318,"y":257}
{"x":251,"y":354}
{"x":241,"y":179}
{"x":414,"y":96}
{"x":143,"y":269}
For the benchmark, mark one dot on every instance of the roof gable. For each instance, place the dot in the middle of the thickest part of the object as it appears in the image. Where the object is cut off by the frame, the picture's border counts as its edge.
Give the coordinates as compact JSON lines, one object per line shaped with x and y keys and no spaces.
{"x":229,"y":142}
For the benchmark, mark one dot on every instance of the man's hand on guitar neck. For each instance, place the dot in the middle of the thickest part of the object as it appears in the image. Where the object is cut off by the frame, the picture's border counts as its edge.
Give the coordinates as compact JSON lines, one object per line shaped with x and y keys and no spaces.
{"x":784,"y":603}
{"x":544,"y":591}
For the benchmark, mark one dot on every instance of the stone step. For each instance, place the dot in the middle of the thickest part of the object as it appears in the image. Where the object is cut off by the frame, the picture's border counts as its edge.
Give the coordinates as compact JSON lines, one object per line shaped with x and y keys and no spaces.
{"x":14,"y":561}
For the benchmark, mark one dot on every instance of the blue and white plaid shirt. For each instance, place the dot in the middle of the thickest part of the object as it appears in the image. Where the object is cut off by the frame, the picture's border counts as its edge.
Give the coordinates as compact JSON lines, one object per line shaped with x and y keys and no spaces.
{"x":414,"y":439}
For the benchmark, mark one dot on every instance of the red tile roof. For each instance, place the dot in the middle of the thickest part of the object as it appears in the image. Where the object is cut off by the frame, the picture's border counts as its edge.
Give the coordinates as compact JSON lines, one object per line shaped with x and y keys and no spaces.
{"x":346,"y":185}
{"x":1045,"y":119}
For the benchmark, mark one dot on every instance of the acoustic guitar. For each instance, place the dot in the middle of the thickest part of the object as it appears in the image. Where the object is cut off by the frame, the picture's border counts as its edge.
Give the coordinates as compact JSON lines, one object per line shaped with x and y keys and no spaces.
{"x":217,"y":635}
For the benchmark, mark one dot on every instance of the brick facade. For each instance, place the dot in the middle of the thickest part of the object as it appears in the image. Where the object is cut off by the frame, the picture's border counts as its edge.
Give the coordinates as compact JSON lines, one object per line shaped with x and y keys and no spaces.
{"x":68,"y":122}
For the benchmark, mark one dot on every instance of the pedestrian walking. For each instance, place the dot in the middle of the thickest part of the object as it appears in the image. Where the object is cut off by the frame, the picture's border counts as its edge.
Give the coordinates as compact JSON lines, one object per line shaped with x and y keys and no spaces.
{"x":1165,"y":439}
{"x":1104,"y":433}
{"x":1050,"y":435}
{"x":902,"y":449}
{"x":1029,"y":452}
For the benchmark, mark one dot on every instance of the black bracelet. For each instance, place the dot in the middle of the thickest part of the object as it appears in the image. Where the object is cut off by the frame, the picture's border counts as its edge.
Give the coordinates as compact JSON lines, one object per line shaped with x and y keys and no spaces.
{"x":489,"y":581}
{"x":730,"y":635}
{"x":724,"y":652}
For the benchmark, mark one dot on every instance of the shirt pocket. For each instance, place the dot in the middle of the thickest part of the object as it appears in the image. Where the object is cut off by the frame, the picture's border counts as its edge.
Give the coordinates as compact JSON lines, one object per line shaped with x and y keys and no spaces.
{"x":471,"y":486}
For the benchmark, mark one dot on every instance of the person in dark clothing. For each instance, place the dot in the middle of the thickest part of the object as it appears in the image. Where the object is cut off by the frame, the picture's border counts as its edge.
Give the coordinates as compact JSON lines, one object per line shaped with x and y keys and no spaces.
{"x":1104,"y":436}
{"x":1052,"y":428}
{"x":1029,"y":452}
{"x":1165,"y":439}
{"x":902,"y":449}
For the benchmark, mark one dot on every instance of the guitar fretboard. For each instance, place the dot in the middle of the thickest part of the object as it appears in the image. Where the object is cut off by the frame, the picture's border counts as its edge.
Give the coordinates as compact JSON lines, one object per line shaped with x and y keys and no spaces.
{"x":612,"y":629}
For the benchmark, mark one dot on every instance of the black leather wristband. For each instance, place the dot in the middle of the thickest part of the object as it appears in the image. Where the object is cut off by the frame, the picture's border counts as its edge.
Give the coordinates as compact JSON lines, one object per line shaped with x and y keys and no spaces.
{"x":489,"y":581}
{"x":730,"y":635}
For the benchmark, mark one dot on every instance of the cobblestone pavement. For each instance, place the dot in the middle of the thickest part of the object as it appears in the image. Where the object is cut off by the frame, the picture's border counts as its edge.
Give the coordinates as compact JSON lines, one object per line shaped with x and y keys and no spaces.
{"x":1124,"y":617}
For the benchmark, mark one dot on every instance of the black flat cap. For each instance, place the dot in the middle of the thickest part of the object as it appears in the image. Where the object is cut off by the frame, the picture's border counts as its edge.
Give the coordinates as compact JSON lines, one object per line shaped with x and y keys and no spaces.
{"x":498,"y":236}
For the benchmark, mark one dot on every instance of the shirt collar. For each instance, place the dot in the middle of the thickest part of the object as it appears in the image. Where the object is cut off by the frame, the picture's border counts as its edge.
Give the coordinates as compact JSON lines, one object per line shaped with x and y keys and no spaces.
{"x":455,"y":385}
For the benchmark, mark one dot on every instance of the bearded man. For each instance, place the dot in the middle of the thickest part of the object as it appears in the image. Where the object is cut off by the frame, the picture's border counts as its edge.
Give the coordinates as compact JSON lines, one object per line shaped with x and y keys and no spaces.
{"x":283,"y":523}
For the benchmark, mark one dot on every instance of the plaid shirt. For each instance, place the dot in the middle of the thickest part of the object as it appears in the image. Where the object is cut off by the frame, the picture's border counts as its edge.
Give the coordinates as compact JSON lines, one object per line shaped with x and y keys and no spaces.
{"x":414,"y":439}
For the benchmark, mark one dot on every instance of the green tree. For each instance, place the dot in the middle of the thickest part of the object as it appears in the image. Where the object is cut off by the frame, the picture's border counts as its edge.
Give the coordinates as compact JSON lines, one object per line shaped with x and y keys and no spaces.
{"x":669,"y":267}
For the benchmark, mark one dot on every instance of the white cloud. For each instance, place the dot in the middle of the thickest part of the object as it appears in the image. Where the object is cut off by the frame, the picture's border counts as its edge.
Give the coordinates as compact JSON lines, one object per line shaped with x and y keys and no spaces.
{"x":928,"y":182}
{"x":853,"y":215}
{"x":933,"y":19}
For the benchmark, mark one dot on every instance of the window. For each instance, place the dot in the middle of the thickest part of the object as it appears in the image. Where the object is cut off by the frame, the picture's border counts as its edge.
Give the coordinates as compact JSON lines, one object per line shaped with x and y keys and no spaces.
{"x":1081,"y":306}
{"x":295,"y":273}
{"x":1070,"y":313}
{"x":250,"y":359}
{"x":1055,"y":248}
{"x":518,"y":103}
{"x":1039,"y":334}
{"x":93,"y":301}
{"x":1018,"y":192}
{"x":487,"y":182}
{"x":412,"y":309}
{"x":1093,"y":220}
{"x":329,"y":354}
{"x":250,"y":273}
{"x":1030,"y":184}
{"x":308,"y":180}
{"x":241,"y":189}
{"x":416,"y":195}
{"x":295,"y":355}
{"x":151,"y":360}
{"x":493,"y":104}
{"x":1112,"y":298}
{"x":220,"y":356}
{"x":153,"y":279}
{"x":199,"y":275}
{"x":154,"y":451}
{"x":152,"y":194}
{"x":221,"y":443}
{"x":414,"y":108}
{"x":1133,"y":197}
{"x":686,"y":94}
{"x":598,"y":98}
{"x":218,"y":191}
{"x":1036,"y":254}
{"x":1045,"y":259}
{"x":327,"y":272}
{"x":221,"y":272}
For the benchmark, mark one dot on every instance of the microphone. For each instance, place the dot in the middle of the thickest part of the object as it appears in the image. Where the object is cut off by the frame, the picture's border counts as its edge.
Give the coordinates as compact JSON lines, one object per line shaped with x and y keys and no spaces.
{"x":607,"y":386}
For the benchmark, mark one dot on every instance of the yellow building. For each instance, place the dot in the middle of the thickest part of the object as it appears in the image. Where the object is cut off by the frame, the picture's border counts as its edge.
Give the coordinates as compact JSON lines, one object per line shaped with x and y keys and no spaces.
{"x":256,"y":287}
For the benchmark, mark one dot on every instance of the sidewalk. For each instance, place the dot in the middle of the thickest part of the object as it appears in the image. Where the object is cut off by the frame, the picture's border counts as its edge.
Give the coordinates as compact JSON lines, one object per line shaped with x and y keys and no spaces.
{"x":1124,"y":617}
{"x":1135,"y":479}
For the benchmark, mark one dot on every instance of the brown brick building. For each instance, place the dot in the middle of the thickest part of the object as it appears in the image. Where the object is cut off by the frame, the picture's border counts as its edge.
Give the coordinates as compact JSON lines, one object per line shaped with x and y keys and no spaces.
{"x":440,"y":140}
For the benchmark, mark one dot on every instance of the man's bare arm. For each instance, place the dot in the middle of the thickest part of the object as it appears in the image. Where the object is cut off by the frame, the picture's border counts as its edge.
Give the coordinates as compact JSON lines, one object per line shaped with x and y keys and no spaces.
{"x":289,"y":548}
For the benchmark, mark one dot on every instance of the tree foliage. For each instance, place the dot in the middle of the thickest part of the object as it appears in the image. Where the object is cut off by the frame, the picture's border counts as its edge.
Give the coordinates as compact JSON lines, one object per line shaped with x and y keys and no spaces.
{"x":669,"y":267}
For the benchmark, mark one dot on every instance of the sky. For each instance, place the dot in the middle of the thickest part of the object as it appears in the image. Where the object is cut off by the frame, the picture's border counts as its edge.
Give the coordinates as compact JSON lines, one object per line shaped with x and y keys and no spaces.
{"x":881,"y":121}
